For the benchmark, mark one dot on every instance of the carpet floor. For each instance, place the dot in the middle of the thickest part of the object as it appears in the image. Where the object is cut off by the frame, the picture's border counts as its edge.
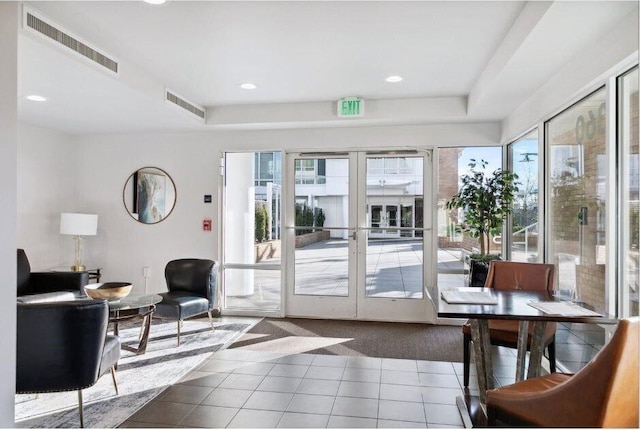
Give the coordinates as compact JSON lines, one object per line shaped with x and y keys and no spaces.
{"x":355,"y":338}
{"x":140,"y":377}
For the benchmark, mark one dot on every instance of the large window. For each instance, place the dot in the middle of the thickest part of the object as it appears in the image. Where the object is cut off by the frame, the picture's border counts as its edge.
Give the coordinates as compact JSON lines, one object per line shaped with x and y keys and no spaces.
{"x":311,"y":171}
{"x":252,"y":210}
{"x":268,"y":168}
{"x":577,"y":169}
{"x":629,"y":162}
{"x":452,"y":243}
{"x":523,"y":161}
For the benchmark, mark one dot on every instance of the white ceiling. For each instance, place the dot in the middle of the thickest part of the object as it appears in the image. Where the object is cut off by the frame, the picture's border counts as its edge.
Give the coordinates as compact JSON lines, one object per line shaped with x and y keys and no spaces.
{"x":461,"y":61}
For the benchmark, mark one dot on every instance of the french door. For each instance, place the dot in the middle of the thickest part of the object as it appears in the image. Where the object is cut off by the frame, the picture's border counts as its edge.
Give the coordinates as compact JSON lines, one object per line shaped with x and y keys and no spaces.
{"x":357,"y":248}
{"x":382,"y":218}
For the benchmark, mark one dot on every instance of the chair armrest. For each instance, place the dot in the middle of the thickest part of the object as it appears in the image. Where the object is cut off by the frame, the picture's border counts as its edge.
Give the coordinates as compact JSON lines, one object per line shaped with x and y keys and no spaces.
{"x":48,"y":282}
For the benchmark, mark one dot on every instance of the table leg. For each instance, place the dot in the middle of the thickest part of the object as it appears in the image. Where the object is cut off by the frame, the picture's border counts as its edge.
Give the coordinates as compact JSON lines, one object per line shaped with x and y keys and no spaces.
{"x":482,"y":354}
{"x":523,"y":334}
{"x":537,"y":348}
{"x":116,"y":318}
{"x":144,"y":336}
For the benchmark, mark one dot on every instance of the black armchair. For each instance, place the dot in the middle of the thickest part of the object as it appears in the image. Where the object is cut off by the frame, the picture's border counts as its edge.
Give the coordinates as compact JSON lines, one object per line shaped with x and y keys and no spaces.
{"x":55,"y":285}
{"x":64,"y":346}
{"x":192,"y":285}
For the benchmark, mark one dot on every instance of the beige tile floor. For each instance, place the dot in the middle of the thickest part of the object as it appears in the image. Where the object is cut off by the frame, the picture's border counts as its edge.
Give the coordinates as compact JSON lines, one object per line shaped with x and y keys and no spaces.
{"x":238,"y":388}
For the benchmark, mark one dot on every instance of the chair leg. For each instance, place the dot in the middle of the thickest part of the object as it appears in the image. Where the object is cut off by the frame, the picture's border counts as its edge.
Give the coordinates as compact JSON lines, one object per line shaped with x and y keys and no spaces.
{"x":466,"y":358}
{"x":179,"y":324}
{"x":113,"y":376}
{"x":491,"y":417}
{"x":551,"y":350}
{"x":211,"y":321}
{"x":80,"y":409}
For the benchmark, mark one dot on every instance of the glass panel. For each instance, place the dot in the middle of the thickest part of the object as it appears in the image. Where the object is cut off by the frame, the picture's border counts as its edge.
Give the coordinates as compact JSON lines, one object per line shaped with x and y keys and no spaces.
{"x":630,"y":164}
{"x":321,"y":256}
{"x":248,"y":204}
{"x":453,"y":245}
{"x":577,"y":171}
{"x":266,"y":296}
{"x":376,"y":212}
{"x":394,"y":258}
{"x":406,"y":220}
{"x":524,"y":162}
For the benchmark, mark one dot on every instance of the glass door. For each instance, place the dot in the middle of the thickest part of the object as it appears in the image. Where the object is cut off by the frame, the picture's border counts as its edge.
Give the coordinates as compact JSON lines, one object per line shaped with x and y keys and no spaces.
{"x":381,"y":218}
{"x":321,"y":234}
{"x":357,"y":246}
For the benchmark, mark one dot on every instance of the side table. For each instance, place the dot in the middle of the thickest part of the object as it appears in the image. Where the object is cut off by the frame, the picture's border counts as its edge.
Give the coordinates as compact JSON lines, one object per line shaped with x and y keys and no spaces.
{"x":132,"y":307}
{"x":94,"y":272}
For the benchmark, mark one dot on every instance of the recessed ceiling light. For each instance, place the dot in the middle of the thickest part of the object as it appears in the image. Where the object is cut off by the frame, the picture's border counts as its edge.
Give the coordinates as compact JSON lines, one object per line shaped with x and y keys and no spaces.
{"x":36,"y":98}
{"x":248,"y":86}
{"x":155,"y":1}
{"x":394,"y":78}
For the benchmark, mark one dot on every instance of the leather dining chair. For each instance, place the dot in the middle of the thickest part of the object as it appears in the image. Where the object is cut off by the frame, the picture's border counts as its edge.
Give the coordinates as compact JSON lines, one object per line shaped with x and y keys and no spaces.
{"x":604,"y":393}
{"x":513,"y":275}
{"x":64,"y":346}
{"x":192,"y":285}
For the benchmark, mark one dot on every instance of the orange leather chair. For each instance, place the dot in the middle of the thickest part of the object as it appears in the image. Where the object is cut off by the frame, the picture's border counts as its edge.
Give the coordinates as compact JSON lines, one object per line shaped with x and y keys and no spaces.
{"x":513,"y":275}
{"x":604,"y":393}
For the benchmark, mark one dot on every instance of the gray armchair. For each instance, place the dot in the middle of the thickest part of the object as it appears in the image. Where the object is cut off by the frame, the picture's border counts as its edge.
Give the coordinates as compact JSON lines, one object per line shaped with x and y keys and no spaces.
{"x":64,"y":346}
{"x":192,"y":285}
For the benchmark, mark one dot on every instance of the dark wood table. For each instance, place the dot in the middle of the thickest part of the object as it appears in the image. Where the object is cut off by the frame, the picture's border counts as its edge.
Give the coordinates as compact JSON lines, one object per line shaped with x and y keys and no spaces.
{"x":510,"y":305}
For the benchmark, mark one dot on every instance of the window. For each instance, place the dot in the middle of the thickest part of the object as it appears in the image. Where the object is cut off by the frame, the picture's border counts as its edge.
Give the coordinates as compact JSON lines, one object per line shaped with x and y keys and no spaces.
{"x":523,"y":161}
{"x":629,"y":161}
{"x":310,"y":171}
{"x":576,"y":140}
{"x":268,"y":168}
{"x":252,"y":219}
{"x":452,"y":243}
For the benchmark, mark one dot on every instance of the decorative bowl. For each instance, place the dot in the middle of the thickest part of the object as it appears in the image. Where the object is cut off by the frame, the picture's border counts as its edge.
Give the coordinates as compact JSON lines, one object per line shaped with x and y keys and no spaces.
{"x":108,"y":290}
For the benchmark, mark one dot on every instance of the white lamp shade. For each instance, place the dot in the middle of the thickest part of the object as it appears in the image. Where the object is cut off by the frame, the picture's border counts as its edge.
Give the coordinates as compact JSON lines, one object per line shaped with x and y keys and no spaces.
{"x":78,"y":224}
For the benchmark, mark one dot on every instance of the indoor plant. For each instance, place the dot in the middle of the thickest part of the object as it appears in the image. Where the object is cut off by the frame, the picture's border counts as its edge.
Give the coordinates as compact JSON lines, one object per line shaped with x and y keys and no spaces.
{"x":485,"y":199}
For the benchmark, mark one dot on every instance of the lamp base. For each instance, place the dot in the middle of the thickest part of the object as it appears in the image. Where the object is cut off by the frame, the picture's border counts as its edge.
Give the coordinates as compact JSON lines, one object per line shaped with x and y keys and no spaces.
{"x":78,"y":268}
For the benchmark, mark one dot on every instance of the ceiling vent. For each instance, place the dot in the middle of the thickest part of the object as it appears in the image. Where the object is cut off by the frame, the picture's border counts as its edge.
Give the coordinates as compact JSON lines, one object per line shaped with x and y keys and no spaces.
{"x":188,"y":106}
{"x":48,"y":30}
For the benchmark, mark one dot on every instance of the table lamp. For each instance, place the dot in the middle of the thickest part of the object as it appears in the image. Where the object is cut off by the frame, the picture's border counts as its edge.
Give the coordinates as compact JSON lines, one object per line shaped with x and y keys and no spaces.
{"x":78,"y":225}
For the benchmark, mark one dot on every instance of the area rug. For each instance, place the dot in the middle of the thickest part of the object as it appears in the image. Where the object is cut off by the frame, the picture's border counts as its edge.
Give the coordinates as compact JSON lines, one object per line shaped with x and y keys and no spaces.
{"x":140,"y":377}
{"x":355,"y":338}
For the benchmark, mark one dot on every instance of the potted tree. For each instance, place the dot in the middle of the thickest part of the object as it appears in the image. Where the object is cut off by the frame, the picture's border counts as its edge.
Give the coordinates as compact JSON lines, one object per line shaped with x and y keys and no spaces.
{"x":486,"y":200}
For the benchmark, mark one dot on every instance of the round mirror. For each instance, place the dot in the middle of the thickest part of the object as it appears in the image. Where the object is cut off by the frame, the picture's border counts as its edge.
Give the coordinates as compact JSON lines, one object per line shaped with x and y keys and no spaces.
{"x":149,"y":195}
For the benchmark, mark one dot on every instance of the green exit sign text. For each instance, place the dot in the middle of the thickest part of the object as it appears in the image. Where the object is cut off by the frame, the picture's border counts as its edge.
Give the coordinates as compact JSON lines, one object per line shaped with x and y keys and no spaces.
{"x":350,"y":107}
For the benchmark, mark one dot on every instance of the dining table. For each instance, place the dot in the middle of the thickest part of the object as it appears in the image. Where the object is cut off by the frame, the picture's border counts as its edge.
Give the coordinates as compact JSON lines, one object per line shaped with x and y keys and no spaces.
{"x":479,"y":305}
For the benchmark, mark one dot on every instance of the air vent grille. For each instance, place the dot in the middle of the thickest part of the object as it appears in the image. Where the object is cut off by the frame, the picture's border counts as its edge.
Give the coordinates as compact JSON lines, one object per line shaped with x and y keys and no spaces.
{"x":55,"y":34}
{"x":195,"y":110}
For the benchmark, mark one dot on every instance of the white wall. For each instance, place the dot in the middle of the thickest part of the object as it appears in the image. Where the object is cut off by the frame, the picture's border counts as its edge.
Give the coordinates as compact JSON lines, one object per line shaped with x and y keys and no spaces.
{"x":8,"y":153}
{"x":47,"y":186}
{"x":124,"y":246}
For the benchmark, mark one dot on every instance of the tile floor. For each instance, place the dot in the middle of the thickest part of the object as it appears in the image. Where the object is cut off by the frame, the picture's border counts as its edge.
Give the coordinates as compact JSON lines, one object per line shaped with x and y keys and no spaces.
{"x":239,"y":388}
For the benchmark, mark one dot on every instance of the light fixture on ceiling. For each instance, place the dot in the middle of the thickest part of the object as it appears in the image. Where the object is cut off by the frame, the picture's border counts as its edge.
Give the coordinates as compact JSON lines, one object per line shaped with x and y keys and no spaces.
{"x":248,"y":86}
{"x":36,"y":98}
{"x":394,"y":78}
{"x":155,"y":1}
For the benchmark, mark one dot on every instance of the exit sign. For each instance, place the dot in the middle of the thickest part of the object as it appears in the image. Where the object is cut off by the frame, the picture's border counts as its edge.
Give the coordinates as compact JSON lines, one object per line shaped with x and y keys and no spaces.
{"x":350,"y":107}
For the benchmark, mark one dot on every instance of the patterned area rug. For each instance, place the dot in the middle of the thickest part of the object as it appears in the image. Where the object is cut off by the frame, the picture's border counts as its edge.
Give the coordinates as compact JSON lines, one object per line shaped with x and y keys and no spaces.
{"x":140,"y":377}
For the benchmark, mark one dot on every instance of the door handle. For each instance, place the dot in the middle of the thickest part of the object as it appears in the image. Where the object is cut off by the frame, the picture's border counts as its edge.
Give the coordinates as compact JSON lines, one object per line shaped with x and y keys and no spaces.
{"x":354,"y":235}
